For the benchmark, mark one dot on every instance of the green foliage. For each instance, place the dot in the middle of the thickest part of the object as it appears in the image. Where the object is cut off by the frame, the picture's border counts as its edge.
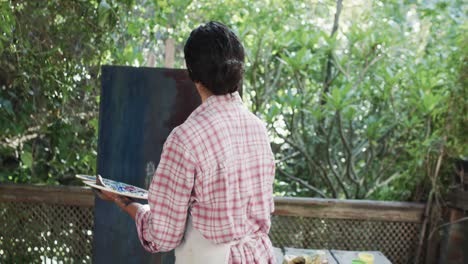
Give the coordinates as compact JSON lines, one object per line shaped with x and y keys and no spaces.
{"x":48,"y":80}
{"x":361,"y":112}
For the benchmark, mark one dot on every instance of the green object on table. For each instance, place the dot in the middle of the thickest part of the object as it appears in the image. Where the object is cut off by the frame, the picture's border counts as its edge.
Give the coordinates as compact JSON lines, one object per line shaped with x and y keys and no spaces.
{"x":357,"y":261}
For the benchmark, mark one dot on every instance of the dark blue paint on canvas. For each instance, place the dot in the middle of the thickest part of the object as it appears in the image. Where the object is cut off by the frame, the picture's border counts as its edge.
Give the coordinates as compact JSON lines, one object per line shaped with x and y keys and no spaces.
{"x":139,"y":108}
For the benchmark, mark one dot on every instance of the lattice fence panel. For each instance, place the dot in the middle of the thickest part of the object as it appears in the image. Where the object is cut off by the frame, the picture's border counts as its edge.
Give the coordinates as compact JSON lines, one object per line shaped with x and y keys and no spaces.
{"x":42,"y":233}
{"x":396,"y":240}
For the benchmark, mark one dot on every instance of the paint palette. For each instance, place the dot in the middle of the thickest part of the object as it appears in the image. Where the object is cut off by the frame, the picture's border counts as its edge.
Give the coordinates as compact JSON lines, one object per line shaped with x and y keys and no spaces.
{"x":115,"y":187}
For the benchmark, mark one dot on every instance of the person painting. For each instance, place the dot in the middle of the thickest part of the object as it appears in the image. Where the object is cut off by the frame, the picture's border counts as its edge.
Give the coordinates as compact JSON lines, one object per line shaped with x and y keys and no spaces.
{"x":212,"y":194}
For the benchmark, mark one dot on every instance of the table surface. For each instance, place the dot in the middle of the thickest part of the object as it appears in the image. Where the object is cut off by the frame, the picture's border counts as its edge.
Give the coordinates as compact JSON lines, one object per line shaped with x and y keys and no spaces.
{"x":333,"y":256}
{"x":298,"y":252}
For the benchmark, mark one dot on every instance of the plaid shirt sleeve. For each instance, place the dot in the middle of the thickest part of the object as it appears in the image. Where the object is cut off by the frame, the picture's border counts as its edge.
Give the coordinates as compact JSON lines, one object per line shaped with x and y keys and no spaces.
{"x":161,"y":223}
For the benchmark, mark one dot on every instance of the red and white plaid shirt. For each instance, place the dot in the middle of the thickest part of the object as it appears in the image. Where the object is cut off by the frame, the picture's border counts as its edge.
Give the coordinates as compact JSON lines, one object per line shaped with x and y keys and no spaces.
{"x":217,"y":165}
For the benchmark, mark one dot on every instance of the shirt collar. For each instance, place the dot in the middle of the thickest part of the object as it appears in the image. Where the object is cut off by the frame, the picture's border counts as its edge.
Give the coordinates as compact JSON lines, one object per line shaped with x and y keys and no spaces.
{"x":226,"y":98}
{"x":217,"y":99}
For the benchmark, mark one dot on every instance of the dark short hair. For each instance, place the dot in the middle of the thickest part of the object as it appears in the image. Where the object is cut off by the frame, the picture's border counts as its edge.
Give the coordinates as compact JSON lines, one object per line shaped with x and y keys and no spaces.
{"x":215,"y":57}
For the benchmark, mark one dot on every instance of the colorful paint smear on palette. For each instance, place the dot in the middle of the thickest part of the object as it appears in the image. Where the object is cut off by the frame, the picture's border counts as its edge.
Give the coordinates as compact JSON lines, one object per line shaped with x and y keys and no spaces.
{"x":92,"y":178}
{"x":121,"y":189}
{"x":114,"y":186}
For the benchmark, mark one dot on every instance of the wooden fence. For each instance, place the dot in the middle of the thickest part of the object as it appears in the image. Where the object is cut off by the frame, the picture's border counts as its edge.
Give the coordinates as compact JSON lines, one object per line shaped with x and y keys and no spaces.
{"x":42,"y":223}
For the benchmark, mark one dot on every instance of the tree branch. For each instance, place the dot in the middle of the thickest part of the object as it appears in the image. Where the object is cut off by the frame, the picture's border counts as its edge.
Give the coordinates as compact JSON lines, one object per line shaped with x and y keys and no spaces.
{"x":364,"y":71}
{"x":349,"y":167}
{"x":310,"y":160}
{"x":302,"y":182}
{"x":278,"y":71}
{"x":328,"y":75}
{"x":339,"y":67}
{"x":254,"y":74}
{"x":295,"y":154}
{"x":381,"y":184}
{"x":270,"y":87}
{"x":329,"y":162}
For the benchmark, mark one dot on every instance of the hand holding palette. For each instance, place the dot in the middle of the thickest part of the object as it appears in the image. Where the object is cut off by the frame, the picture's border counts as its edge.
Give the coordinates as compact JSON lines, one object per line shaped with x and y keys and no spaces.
{"x":114,"y":187}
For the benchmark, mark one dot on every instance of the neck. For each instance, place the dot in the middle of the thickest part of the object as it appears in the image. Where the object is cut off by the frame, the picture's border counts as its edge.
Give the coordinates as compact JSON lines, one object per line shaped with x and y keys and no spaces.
{"x":203,"y":92}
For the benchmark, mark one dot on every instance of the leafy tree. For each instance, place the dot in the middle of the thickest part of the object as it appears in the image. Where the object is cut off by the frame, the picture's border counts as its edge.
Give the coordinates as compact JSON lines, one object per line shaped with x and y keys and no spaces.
{"x":50,"y":57}
{"x":363,"y":99}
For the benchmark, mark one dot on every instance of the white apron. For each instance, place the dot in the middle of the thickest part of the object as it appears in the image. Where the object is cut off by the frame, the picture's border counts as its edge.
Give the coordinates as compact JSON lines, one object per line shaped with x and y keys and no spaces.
{"x":195,"y":249}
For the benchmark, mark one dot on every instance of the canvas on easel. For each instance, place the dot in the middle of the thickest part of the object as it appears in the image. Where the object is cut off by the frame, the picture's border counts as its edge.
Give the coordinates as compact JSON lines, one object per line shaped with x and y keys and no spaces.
{"x":139,"y":107}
